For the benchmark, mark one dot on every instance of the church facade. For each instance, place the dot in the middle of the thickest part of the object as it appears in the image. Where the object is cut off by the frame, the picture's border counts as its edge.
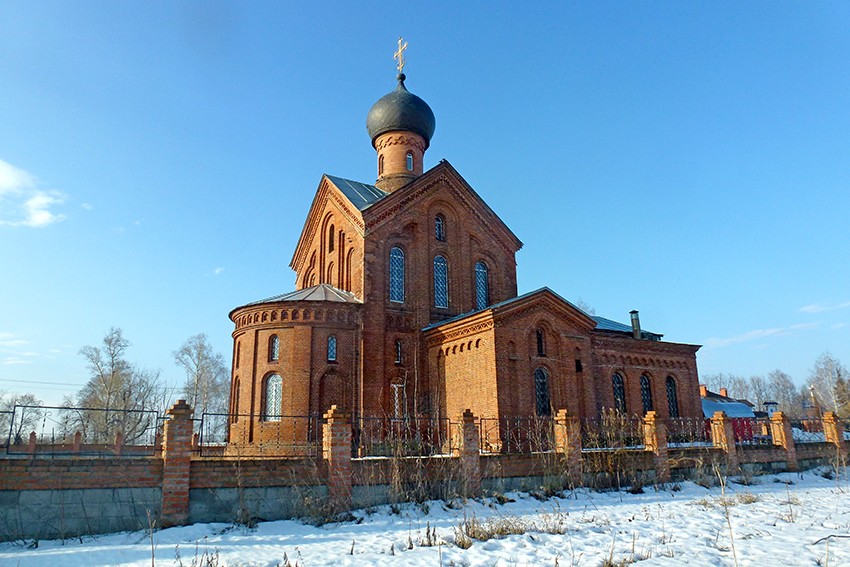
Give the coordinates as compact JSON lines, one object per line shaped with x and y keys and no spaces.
{"x":406,"y":305}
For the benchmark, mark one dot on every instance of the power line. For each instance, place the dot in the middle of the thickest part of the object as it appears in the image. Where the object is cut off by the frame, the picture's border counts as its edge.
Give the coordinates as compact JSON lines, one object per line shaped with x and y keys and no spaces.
{"x":38,"y":382}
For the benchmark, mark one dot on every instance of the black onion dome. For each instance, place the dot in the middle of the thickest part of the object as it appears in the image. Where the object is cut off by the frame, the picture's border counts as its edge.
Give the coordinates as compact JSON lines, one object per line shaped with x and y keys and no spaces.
{"x":401,"y":110}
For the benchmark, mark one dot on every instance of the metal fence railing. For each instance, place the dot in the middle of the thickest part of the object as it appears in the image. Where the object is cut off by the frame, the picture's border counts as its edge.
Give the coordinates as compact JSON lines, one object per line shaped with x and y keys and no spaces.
{"x":688,"y":432}
{"x":406,"y":436}
{"x":243,"y":435}
{"x":516,"y":434}
{"x":752,"y":431}
{"x":64,"y":430}
{"x":612,"y":431}
{"x":808,"y":430}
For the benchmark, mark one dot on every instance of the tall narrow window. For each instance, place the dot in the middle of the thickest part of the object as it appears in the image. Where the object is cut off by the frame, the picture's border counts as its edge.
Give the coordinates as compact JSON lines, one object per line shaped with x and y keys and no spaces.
{"x":441,"y":282}
{"x":619,"y":393}
{"x":238,"y":353}
{"x":399,"y":401}
{"x":331,"y":239}
{"x":332,"y":348}
{"x":541,"y":392}
{"x":381,"y":165}
{"x":482,"y":286}
{"x":440,"y":228}
{"x":274,"y":348}
{"x":645,"y":394}
{"x":273,"y":391}
{"x":409,"y":161}
{"x":398,"y":351}
{"x":672,"y":398}
{"x":397,"y":275}
{"x":541,"y":343}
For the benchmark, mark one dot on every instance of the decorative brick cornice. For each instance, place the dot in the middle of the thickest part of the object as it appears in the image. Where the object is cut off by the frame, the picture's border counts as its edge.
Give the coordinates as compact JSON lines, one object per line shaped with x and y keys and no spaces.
{"x":401,"y":139}
{"x":286,"y":314}
{"x":327,"y":192}
{"x":461,"y":193}
{"x":457,"y":333}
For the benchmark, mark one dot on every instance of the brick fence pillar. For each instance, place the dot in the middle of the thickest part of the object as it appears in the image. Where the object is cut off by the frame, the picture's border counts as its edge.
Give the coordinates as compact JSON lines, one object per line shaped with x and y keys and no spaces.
{"x":723,"y":438}
{"x":568,"y":444}
{"x":470,"y":454}
{"x":655,"y":441}
{"x":176,"y":464}
{"x":32,"y":443}
{"x":336,"y":450}
{"x":780,"y":430}
{"x":833,"y":431}
{"x":78,"y":442}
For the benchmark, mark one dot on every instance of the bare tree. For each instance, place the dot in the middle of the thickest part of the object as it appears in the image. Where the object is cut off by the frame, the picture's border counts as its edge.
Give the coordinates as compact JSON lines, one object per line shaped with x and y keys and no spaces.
{"x":118,"y":397}
{"x":713,"y":381}
{"x":782,"y":390}
{"x":739,"y":387}
{"x":758,"y":391}
{"x":207,"y":378}
{"x":828,"y":381}
{"x":20,"y":415}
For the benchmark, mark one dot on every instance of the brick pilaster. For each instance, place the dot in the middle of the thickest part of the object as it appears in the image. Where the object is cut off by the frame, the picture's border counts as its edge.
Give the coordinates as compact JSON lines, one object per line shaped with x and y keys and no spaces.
{"x":336,"y":450}
{"x":723,"y":438}
{"x":176,"y":464}
{"x":833,"y":431}
{"x":780,"y":430}
{"x":568,"y":444}
{"x":655,"y":441}
{"x":470,"y":454}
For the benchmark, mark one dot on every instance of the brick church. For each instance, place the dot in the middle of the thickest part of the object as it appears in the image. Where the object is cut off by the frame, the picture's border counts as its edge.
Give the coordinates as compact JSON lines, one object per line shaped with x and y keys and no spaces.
{"x":406,"y":304}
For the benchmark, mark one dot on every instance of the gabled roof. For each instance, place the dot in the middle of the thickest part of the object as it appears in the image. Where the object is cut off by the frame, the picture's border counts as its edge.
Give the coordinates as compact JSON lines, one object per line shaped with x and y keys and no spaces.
{"x":713,"y":402}
{"x":321,"y":292}
{"x":505,"y":304}
{"x":361,"y":195}
{"x":603,"y":324}
{"x":384,"y":209}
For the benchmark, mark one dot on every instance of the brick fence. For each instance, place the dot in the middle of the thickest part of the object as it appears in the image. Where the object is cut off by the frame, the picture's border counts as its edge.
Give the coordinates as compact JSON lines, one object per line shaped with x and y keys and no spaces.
{"x":72,"y":495}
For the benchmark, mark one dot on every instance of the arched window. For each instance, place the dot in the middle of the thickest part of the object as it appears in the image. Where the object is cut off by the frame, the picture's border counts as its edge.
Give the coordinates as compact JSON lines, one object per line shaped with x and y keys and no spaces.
{"x":672,"y":398}
{"x":238,"y":353}
{"x":398,"y":353}
{"x":381,"y":165}
{"x":440,"y":228}
{"x":409,"y":161}
{"x":441,"y":282}
{"x":272,"y":393}
{"x":332,"y":348}
{"x":397,"y":275}
{"x":274,"y":348}
{"x":541,"y":392}
{"x":645,"y":394}
{"x":541,"y":343}
{"x":331,"y":239}
{"x":482,"y":286}
{"x":329,"y":278}
{"x":619,"y":393}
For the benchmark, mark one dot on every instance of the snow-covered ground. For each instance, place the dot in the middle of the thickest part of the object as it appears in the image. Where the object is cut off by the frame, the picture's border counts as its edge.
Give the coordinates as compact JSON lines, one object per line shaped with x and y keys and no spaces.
{"x":787,"y":519}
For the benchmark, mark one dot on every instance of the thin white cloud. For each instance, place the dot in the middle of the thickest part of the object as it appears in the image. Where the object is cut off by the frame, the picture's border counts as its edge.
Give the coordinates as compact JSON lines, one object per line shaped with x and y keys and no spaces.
{"x":756,"y":334}
{"x":13,"y":360}
{"x":820,"y":307}
{"x":23,"y":202}
{"x":217,"y":271}
{"x":86,"y":206}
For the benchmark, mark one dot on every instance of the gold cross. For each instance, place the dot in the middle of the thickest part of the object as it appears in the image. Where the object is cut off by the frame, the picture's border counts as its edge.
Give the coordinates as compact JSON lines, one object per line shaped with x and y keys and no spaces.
{"x":402,"y":45}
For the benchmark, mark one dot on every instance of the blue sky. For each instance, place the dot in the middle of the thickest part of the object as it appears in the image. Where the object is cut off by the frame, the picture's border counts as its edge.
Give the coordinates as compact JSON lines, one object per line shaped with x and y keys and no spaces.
{"x":689,"y":160}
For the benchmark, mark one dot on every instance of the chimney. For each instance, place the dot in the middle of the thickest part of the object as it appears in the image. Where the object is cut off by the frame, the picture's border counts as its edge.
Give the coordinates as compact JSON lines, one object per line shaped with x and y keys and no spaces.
{"x":635,"y":323}
{"x":724,"y":392}
{"x":703,"y":391}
